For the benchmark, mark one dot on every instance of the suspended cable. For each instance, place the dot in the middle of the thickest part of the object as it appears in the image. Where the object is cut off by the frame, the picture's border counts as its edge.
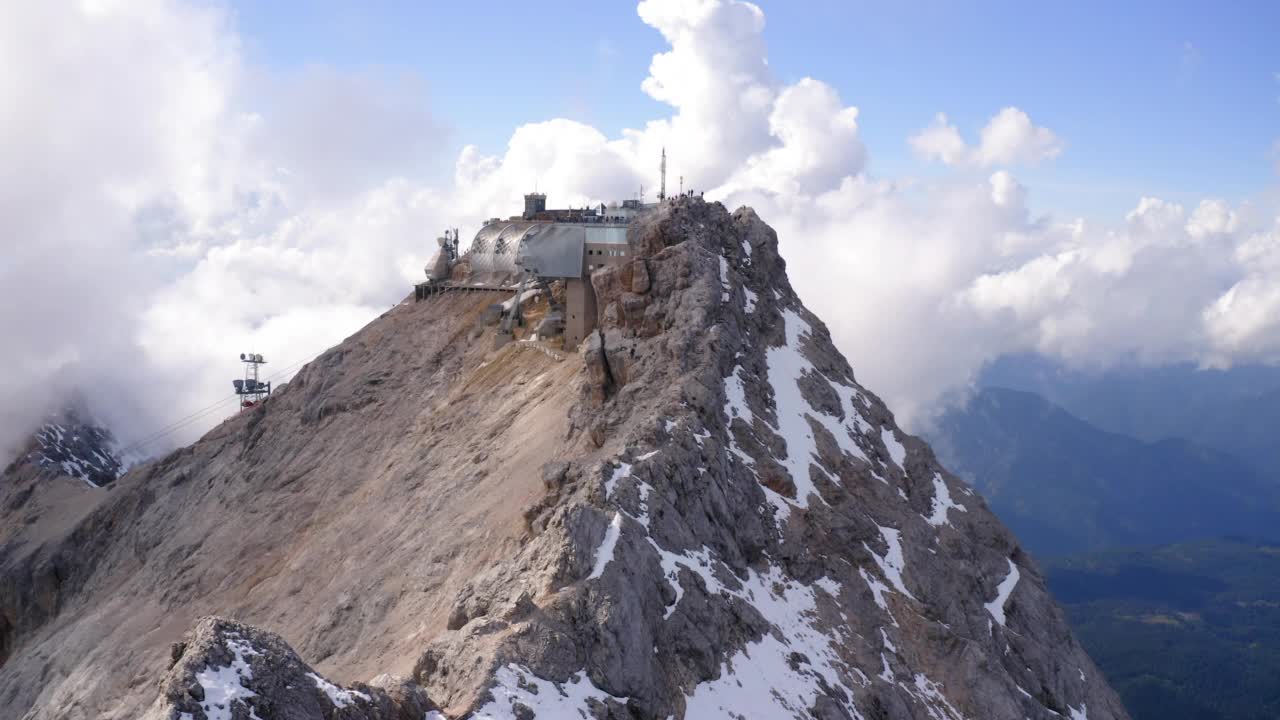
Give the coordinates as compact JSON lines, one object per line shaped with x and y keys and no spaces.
{"x":190,"y":419}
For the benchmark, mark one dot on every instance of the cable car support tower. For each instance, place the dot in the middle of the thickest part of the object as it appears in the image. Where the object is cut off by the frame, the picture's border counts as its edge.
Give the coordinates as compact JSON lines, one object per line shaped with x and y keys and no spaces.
{"x":251,"y":390}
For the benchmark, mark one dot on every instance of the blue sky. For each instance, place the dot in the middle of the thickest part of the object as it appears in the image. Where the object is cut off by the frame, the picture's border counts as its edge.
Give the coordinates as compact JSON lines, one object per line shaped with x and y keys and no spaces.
{"x":1178,"y":100}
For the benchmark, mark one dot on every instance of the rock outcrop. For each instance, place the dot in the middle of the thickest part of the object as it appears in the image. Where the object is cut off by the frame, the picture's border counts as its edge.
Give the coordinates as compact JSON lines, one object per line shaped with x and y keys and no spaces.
{"x":701,"y":514}
{"x":225,"y":669}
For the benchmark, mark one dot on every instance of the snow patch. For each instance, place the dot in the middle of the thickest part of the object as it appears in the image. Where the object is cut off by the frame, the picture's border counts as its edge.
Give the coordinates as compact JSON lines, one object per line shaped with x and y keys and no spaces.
{"x":893,"y":562}
{"x":930,"y":695}
{"x":1081,"y":714}
{"x":224,"y":686}
{"x":698,"y":562}
{"x":604,"y":554}
{"x":886,"y":673}
{"x":787,"y":691}
{"x":1005,"y":589}
{"x":884,"y":638}
{"x":623,"y":470}
{"x":643,"y":488}
{"x":735,"y":406}
{"x":878,"y":589}
{"x":831,"y":587}
{"x":735,"y":397}
{"x":897,"y":452}
{"x":942,"y":502}
{"x":524,"y":296}
{"x":518,"y":686}
{"x":749,"y":304}
{"x":725,"y":288}
{"x":786,"y":366}
{"x":340,"y":697}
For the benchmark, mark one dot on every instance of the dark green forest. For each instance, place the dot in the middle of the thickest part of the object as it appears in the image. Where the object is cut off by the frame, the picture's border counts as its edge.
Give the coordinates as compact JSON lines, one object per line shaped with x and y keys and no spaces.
{"x":1085,"y":467}
{"x":1183,"y":632}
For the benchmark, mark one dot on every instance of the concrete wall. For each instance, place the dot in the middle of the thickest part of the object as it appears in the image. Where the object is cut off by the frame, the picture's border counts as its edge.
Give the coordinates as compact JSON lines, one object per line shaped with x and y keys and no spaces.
{"x":597,"y":255}
{"x":580,"y":311}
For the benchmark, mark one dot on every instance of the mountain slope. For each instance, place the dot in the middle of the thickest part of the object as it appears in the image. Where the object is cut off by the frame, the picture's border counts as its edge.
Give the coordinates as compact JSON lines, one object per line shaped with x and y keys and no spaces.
{"x":1065,"y":486}
{"x":699,"y":514}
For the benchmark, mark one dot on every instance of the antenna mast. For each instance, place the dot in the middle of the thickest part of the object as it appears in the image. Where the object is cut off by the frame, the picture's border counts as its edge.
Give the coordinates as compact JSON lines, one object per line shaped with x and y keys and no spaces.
{"x":662,"y":189}
{"x":250,"y":389}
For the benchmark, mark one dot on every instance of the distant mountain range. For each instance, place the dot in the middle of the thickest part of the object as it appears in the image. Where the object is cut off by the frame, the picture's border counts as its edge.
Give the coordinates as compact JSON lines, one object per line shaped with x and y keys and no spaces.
{"x":1065,"y":486}
{"x":1235,"y":411}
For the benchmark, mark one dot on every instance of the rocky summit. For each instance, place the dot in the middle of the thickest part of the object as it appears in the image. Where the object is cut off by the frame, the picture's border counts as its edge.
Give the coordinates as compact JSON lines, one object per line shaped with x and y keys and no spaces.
{"x":69,"y":445}
{"x":699,"y":513}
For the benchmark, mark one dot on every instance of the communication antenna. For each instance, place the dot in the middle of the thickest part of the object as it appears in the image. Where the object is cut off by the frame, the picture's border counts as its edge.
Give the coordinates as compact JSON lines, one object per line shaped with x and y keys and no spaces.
{"x":681,"y":184}
{"x":251,"y":391}
{"x":662,"y":167}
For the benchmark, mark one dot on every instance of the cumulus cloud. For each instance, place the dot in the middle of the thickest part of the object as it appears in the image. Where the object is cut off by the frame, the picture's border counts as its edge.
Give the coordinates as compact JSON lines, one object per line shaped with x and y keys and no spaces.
{"x":1009,"y":138}
{"x":161,"y":221}
{"x":921,"y":291}
{"x":940,"y":142}
{"x":174,"y":207}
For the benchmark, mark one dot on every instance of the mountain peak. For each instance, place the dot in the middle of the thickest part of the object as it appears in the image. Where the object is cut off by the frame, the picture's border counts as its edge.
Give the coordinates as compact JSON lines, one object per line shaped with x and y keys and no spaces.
{"x":72,"y":444}
{"x":696,"y":513}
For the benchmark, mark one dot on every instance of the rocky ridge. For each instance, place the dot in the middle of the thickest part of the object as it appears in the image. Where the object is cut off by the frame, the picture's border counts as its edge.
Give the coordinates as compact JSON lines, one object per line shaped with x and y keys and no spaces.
{"x":701,"y":515}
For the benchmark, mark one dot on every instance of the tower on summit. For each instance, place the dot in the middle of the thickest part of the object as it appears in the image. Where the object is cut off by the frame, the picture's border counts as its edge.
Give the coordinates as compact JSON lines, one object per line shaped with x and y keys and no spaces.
{"x":662,"y":169}
{"x":534,"y":203}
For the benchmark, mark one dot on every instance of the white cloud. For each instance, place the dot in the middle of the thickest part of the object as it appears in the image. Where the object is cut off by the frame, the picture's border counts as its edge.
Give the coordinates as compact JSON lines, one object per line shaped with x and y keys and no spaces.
{"x":1006,"y":191}
{"x":1009,"y":138}
{"x":171,"y":208}
{"x":176,"y":207}
{"x":940,"y":142}
{"x":817,"y":143}
{"x":1212,"y":217}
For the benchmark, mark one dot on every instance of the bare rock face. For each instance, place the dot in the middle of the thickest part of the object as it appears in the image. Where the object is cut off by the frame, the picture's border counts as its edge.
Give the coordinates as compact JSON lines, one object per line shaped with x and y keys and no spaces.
{"x":703,"y":515}
{"x":764,"y":541}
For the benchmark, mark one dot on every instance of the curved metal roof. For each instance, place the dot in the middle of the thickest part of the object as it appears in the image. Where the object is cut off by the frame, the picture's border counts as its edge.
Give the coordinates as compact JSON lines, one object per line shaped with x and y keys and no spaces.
{"x":496,"y":245}
{"x":542,"y":248}
{"x":554,"y":250}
